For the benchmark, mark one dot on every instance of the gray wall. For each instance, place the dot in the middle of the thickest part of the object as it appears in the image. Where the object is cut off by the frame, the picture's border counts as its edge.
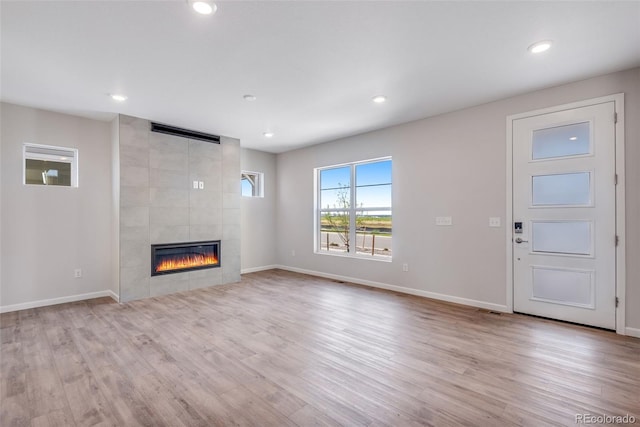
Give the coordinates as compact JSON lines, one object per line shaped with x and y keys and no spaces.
{"x":115,"y":206}
{"x":47,"y":232}
{"x":453,"y":164}
{"x":258,"y":214}
{"x":159,"y":205}
{"x":449,"y":165}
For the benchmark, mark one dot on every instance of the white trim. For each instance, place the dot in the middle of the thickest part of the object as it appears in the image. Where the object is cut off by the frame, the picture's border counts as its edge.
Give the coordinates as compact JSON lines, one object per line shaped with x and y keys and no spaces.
{"x":256,"y":269}
{"x":379,"y":258}
{"x":621,"y":253}
{"x":632,"y":332}
{"x":618,"y":100}
{"x":337,"y":165}
{"x":60,"y":300}
{"x":509,"y":213}
{"x":401,"y":289}
{"x":579,"y":104}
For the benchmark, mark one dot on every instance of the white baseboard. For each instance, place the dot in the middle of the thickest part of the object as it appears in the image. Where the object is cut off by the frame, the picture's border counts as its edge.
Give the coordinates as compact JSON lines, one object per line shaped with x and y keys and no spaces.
{"x":632,"y":332}
{"x":401,"y":289}
{"x":113,"y":296}
{"x":256,"y":269}
{"x":61,"y":300}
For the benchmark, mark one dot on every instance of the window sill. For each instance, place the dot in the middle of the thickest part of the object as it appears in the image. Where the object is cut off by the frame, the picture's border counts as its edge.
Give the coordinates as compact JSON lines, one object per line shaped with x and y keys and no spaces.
{"x":351,"y":256}
{"x":48,"y":185}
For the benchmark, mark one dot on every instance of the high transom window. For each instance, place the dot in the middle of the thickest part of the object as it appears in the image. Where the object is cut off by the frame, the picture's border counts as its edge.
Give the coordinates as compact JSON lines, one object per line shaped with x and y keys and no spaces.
{"x":252,"y":184}
{"x":49,"y":165}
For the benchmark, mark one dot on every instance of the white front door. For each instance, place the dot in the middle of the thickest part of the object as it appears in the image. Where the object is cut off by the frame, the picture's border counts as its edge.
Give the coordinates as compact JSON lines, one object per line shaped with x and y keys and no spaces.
{"x":564,"y":213}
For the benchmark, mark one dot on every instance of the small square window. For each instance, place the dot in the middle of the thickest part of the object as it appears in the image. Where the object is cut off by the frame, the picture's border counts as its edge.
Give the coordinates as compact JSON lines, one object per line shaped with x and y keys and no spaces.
{"x":252,"y":184}
{"x":48,"y":165}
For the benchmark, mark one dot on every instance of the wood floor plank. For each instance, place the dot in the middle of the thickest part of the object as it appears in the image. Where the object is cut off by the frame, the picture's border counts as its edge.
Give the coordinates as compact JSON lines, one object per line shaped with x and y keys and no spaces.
{"x":277,"y":397}
{"x":312,"y":417}
{"x":59,"y":418}
{"x":164,"y":401}
{"x":284,"y":348}
{"x":129,"y":406}
{"x":86,"y":400}
{"x":14,"y":411}
{"x":44,"y":389}
{"x":253,"y":408}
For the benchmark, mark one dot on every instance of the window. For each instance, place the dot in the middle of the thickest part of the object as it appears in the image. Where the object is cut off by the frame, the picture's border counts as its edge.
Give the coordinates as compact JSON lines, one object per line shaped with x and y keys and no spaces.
{"x":353,"y":215}
{"x":47,"y":165}
{"x":252,"y":184}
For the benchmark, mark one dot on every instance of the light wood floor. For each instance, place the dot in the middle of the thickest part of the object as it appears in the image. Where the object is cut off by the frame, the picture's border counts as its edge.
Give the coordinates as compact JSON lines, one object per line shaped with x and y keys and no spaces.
{"x":284,"y":349}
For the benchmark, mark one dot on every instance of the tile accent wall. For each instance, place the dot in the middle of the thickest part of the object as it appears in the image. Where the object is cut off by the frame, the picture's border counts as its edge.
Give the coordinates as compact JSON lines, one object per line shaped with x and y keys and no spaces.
{"x":158,"y":204}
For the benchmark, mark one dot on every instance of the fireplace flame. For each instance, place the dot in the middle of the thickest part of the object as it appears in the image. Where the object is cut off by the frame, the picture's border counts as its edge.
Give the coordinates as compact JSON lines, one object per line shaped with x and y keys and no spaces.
{"x":186,"y":261}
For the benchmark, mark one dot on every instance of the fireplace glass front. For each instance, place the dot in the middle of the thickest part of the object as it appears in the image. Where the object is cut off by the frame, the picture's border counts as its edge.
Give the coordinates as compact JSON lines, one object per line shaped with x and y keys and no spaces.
{"x":181,"y":257}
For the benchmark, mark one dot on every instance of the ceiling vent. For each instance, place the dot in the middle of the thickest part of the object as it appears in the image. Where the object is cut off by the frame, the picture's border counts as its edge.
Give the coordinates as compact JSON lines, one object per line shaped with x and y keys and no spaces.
{"x":185,"y":133}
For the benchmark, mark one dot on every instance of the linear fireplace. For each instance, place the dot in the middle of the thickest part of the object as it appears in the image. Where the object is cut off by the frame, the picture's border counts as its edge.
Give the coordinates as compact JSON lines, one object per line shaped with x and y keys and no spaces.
{"x":180,"y":257}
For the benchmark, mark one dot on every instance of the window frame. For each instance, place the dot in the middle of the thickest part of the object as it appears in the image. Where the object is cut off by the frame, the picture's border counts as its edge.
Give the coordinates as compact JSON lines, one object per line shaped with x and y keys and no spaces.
{"x":352,"y":211}
{"x":258,"y":186}
{"x":63,"y":155}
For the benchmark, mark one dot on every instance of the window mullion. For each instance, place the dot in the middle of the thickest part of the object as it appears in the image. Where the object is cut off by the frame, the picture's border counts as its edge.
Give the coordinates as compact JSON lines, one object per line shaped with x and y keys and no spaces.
{"x":352,"y":212}
{"x":318,"y":213}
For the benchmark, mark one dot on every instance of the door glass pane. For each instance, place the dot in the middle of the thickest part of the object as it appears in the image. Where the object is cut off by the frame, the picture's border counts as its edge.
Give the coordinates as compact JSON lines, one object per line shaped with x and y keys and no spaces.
{"x":561,"y":189}
{"x":563,"y":237}
{"x":561,"y":141}
{"x":568,"y":287}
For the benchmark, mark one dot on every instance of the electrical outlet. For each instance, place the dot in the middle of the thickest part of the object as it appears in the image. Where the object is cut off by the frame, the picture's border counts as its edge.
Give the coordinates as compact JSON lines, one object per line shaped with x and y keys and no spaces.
{"x":405,"y":267}
{"x":195,"y":185}
{"x":444,"y":220}
{"x":494,"y":221}
{"x":77,"y":273}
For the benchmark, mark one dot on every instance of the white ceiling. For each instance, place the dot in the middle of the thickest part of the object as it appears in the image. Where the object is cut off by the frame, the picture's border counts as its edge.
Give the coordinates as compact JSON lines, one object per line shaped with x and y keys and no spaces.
{"x":313,"y":66}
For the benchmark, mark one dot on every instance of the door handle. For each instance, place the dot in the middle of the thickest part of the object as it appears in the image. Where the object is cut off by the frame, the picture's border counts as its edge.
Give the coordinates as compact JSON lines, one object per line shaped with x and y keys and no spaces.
{"x":519,"y":240}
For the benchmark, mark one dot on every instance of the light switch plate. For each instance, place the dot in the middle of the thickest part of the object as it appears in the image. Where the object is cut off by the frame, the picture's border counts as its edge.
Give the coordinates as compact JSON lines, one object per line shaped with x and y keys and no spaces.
{"x":444,"y":220}
{"x":494,"y":221}
{"x":201,"y":185}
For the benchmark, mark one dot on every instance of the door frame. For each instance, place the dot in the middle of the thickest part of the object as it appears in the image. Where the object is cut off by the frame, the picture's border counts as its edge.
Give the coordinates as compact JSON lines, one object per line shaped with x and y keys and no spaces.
{"x":618,"y":100}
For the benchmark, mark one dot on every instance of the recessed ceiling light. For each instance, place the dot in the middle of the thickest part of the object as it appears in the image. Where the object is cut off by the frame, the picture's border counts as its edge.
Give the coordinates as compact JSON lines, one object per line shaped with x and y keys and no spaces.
{"x":249,"y":98}
{"x":379,"y":99}
{"x":118,"y":97}
{"x":573,"y":138}
{"x":268,"y":134}
{"x":204,"y":7}
{"x":540,"y":46}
